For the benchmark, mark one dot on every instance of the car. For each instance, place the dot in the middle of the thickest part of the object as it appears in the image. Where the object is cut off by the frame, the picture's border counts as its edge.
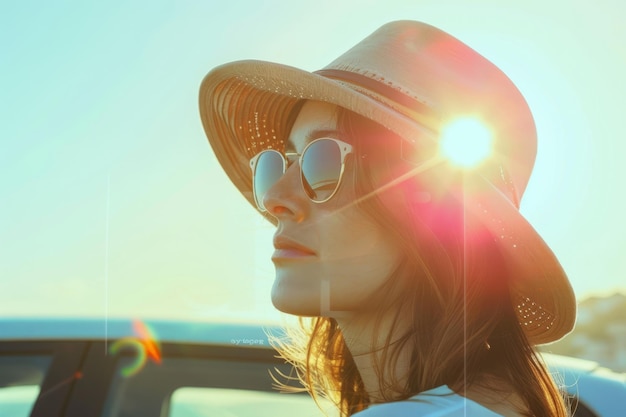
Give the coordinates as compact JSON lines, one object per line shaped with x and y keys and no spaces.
{"x":128,"y":368}
{"x":595,"y":391}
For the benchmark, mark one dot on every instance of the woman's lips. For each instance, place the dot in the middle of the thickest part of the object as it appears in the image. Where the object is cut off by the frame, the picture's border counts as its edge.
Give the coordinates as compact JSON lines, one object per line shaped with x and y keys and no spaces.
{"x":289,"y":249}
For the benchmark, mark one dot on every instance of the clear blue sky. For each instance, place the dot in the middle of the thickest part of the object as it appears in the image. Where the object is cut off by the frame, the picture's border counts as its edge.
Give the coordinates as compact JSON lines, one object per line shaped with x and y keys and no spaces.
{"x":112,"y":202}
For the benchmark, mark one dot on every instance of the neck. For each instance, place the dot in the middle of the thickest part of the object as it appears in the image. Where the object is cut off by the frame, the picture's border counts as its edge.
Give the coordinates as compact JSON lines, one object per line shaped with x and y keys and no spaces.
{"x":367,"y":338}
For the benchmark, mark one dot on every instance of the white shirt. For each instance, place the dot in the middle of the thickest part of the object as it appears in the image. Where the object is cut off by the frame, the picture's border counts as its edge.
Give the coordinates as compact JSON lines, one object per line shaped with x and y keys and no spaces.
{"x":437,"y":402}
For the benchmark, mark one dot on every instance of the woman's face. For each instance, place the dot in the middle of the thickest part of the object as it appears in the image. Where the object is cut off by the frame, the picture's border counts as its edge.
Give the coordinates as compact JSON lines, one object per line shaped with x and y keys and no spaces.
{"x":329,"y":257}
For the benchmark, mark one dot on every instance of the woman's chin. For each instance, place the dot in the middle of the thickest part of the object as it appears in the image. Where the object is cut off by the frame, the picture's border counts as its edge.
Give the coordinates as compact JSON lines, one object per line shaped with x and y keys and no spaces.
{"x":308,"y":296}
{"x":295,"y":302}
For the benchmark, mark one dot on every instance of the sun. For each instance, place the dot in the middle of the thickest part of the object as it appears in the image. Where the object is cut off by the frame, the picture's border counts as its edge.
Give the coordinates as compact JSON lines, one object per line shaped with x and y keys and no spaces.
{"x":466,"y":142}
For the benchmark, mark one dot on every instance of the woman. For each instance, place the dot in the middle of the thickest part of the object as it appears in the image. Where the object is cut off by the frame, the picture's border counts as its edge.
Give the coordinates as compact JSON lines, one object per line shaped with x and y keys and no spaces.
{"x":426,"y":288}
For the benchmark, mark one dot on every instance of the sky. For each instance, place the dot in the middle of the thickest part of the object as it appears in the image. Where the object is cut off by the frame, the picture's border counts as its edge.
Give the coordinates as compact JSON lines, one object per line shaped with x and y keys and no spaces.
{"x":112,"y":203}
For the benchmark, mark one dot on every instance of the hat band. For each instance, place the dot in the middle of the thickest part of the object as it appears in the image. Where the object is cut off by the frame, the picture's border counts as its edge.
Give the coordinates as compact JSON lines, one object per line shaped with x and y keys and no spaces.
{"x":388,"y":94}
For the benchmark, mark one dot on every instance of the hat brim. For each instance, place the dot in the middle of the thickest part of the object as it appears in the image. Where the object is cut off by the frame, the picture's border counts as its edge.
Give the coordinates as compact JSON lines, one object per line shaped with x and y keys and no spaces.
{"x":245,"y":105}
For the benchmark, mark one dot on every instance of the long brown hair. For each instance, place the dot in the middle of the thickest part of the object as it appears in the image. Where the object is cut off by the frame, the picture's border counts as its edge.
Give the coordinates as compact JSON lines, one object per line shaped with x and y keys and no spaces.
{"x":451,"y":287}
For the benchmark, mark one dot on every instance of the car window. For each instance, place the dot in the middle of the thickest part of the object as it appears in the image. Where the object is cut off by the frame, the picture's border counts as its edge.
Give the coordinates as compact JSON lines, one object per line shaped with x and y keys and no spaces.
{"x":237,"y":384}
{"x":20,"y":382}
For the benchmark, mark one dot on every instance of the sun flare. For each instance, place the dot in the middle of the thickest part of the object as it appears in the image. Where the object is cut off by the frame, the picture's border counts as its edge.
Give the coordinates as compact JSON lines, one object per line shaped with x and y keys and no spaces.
{"x":466,"y":142}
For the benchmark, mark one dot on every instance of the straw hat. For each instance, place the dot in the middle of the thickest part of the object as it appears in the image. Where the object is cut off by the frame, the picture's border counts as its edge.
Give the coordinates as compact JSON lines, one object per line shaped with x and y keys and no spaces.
{"x":411,"y":78}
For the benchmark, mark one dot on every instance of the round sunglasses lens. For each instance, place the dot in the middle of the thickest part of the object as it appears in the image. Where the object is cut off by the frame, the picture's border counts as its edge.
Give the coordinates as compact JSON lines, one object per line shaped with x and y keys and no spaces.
{"x":321,"y":169}
{"x":270,"y":166}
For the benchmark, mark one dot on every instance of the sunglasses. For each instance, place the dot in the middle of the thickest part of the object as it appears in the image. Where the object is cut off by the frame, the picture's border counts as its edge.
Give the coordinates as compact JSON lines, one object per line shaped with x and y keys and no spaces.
{"x":322,"y":163}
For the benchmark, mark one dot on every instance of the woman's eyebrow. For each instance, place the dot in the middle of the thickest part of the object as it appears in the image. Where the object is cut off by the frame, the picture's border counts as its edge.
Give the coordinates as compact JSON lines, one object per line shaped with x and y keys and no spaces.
{"x":323,"y":133}
{"x":315,"y":134}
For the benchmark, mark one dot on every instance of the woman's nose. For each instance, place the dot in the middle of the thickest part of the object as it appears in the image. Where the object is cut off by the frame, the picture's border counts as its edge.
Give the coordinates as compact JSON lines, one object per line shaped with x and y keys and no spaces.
{"x":285,"y":200}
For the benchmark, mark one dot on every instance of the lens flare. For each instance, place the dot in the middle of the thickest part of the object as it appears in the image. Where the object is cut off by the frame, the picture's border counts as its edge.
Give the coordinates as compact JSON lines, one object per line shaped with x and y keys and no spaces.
{"x":466,"y":142}
{"x":130,"y":343}
{"x":145,"y":346}
{"x":148,"y":339}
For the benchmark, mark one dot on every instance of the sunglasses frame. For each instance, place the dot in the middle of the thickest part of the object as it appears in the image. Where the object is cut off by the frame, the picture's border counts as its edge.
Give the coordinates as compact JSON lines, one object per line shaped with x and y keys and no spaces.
{"x":345,"y":149}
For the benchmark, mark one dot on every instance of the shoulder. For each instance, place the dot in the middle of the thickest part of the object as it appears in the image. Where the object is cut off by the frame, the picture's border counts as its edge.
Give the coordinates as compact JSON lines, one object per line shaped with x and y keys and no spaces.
{"x":438,"y":402}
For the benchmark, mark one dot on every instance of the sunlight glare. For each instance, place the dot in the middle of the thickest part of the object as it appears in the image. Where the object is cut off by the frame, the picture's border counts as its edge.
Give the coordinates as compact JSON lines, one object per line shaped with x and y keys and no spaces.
{"x":466,"y":142}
